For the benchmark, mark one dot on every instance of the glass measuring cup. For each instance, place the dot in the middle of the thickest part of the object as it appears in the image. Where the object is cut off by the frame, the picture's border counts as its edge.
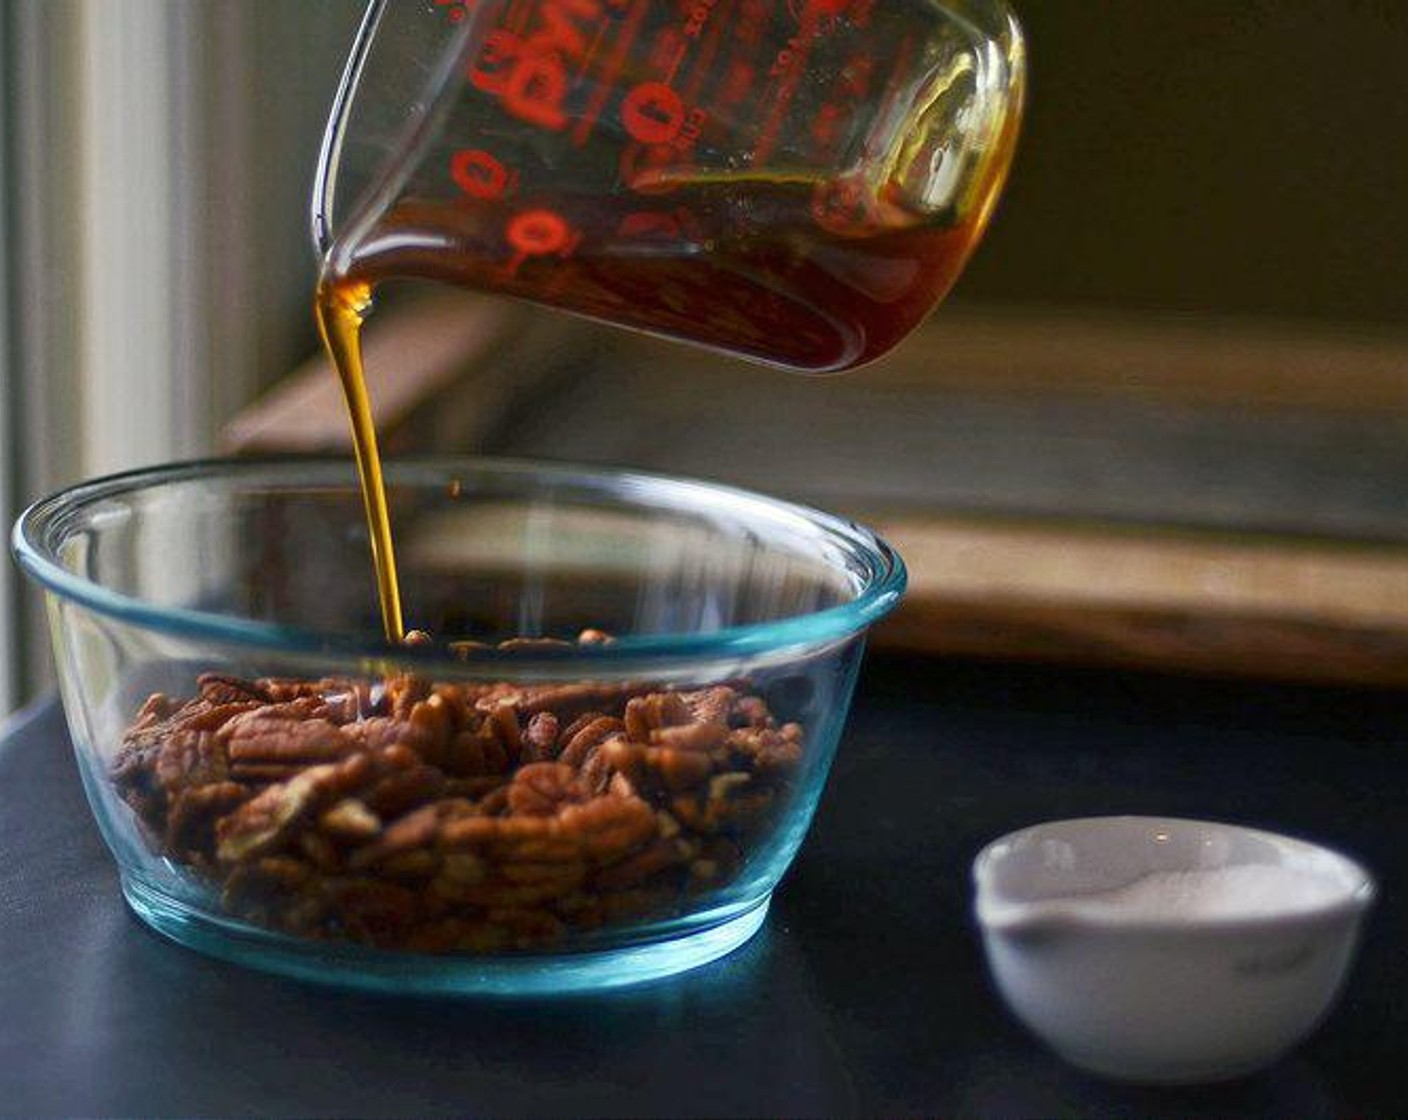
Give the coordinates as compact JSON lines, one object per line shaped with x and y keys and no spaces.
{"x":794,"y":181}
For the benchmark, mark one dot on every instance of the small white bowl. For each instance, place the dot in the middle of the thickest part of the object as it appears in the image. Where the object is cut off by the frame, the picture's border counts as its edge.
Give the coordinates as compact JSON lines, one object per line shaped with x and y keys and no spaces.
{"x":1167,"y":951}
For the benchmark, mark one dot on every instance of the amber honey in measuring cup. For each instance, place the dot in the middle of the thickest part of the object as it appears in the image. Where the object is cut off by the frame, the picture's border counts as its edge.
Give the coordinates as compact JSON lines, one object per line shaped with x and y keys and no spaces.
{"x":797,"y":182}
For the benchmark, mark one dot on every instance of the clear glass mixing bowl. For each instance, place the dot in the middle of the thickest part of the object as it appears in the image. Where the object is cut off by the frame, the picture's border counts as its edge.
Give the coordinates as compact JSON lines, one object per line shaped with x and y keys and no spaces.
{"x":281,"y":788}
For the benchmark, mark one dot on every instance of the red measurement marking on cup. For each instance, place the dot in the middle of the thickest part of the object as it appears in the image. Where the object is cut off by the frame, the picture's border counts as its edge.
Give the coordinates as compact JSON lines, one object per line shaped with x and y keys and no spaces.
{"x":518,"y":14}
{"x":697,"y":16}
{"x":652,"y":113}
{"x":750,"y":23}
{"x":665,"y":53}
{"x":530,"y":85}
{"x":647,"y":167}
{"x":539,"y":233}
{"x":676,"y":61}
{"x":747,"y":33}
{"x":560,"y":23}
{"x":610,"y":74}
{"x":530,"y":69}
{"x":817,"y":9}
{"x":704,"y":59}
{"x":480,"y":174}
{"x":456,"y":10}
{"x":786,"y":71}
{"x":814,"y":19}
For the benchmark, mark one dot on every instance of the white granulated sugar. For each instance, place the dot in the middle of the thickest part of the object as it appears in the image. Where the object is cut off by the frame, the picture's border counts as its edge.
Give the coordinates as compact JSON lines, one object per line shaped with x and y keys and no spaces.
{"x":1244,"y":890}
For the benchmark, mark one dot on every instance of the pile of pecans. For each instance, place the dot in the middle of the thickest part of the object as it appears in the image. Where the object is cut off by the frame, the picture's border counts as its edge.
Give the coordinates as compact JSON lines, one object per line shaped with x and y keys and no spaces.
{"x":444,"y":818}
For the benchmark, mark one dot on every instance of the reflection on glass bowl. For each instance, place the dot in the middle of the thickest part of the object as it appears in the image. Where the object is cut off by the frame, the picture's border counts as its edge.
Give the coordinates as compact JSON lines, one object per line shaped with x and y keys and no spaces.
{"x":595,"y":773}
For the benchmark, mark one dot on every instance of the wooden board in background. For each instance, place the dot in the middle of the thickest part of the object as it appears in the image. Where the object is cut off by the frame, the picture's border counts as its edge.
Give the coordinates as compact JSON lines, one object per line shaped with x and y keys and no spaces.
{"x":1162,"y":599}
{"x":1186,"y":495}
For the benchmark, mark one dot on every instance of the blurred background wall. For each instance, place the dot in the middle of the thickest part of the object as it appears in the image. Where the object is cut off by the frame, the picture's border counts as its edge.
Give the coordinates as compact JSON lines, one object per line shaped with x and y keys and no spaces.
{"x":1212,"y":155}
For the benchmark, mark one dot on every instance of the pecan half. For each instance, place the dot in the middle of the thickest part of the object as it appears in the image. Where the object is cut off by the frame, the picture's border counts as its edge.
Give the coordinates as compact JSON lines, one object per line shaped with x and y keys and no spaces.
{"x":273,"y":744}
{"x":261,"y":824}
{"x":541,"y":789}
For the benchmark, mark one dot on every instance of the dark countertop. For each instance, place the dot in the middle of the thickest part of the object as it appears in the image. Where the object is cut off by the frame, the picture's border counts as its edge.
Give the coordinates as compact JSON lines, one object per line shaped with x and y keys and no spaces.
{"x":864,"y":994}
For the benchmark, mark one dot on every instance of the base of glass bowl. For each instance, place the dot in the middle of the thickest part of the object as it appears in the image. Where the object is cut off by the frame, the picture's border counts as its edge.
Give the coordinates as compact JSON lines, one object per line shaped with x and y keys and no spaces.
{"x":355,"y":966}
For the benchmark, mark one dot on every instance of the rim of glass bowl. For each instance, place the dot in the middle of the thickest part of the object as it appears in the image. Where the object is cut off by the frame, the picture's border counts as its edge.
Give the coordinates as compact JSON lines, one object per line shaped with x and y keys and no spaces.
{"x":41,"y":527}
